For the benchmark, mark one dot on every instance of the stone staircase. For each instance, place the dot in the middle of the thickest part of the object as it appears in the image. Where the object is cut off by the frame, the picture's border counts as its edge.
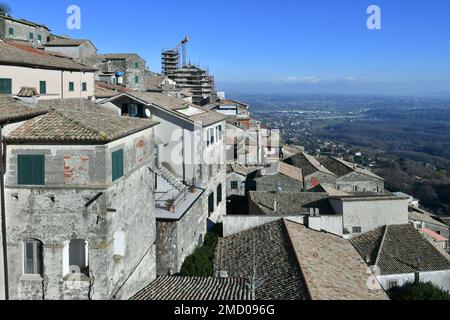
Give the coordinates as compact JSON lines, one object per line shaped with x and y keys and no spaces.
{"x":172,"y":178}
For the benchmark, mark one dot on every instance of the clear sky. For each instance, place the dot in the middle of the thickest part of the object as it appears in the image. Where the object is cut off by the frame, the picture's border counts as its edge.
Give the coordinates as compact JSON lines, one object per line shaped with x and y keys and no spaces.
{"x":317,"y":44}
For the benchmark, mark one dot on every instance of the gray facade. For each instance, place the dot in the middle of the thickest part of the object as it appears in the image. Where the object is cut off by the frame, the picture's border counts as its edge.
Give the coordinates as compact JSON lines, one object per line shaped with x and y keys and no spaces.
{"x":317,"y":178}
{"x":79,"y":201}
{"x":236,"y":184}
{"x":179,"y":238}
{"x":357,"y":182}
{"x":17,"y":29}
{"x":276,"y":181}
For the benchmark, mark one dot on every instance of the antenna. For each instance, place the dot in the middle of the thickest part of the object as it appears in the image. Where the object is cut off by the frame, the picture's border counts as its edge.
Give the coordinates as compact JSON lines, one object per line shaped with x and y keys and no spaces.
{"x":255,"y":282}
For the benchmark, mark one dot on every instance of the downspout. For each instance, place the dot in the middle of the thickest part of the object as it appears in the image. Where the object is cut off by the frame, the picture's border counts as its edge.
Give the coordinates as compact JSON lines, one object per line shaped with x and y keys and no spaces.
{"x":3,"y":212}
{"x":184,"y":155}
{"x":62,"y":84}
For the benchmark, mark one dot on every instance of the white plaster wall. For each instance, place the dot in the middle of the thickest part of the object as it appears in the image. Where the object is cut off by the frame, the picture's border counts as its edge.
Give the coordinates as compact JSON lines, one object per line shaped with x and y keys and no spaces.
{"x":30,"y":77}
{"x":441,"y":279}
{"x":372,"y":214}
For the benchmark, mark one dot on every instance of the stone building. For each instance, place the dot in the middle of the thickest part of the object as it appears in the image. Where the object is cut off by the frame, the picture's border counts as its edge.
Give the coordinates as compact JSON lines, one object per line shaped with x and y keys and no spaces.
{"x":278,"y":177}
{"x":314,"y":173}
{"x":77,"y":49}
{"x":22,"y":30}
{"x":50,"y":75}
{"x":125,"y":69}
{"x":295,"y":263}
{"x":352,"y":178}
{"x":12,"y":114}
{"x":80,"y":219}
{"x":190,"y":153}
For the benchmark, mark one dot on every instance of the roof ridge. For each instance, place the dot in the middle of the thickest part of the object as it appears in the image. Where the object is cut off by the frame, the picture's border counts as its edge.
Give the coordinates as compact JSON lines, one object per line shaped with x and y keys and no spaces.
{"x":297,"y":258}
{"x":102,"y":135}
{"x":381,"y":245}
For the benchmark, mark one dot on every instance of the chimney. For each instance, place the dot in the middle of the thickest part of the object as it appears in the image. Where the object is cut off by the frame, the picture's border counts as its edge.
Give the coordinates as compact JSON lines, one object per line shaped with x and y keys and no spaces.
{"x":2,"y":26}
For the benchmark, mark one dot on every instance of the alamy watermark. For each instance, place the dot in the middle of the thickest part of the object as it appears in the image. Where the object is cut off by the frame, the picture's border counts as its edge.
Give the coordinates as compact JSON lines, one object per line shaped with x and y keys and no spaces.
{"x":73,"y":22}
{"x":374,"y":20}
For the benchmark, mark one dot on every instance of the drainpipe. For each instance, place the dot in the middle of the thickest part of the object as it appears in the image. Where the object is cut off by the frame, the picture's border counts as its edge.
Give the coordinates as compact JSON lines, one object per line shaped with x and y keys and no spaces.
{"x":3,"y":214}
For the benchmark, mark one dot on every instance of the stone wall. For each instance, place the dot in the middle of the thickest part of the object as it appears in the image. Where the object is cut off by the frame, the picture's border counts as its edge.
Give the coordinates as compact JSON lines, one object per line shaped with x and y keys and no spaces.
{"x":58,"y":212}
{"x":2,"y":26}
{"x":319,"y":178}
{"x":272,"y":182}
{"x":361,"y":182}
{"x":22,"y":31}
{"x":176,"y":240}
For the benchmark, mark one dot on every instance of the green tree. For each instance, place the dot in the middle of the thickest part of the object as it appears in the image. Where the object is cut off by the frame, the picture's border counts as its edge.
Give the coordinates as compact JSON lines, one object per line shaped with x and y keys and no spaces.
{"x":421,"y":291}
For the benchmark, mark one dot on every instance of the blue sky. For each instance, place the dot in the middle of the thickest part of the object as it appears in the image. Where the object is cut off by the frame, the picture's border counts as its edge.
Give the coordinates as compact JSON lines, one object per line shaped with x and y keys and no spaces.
{"x":318,"y":44}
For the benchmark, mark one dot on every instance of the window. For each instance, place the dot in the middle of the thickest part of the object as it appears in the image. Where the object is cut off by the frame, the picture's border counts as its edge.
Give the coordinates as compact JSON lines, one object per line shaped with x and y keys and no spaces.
{"x":39,"y":37}
{"x":210,"y":170}
{"x":42,"y":87}
{"x":31,"y":35}
{"x":357,"y":229}
{"x":211,"y":204}
{"x":355,"y":189}
{"x":211,"y":135}
{"x":220,"y":135}
{"x":234,"y":185}
{"x":136,"y":79}
{"x":219,"y":194}
{"x":11,"y":31}
{"x":392,"y":285}
{"x":33,"y":262}
{"x":71,"y":86}
{"x":31,"y":170}
{"x":136,"y":65}
{"x":84,"y":86}
{"x":6,"y":86}
{"x":78,"y":257}
{"x":117,"y":165}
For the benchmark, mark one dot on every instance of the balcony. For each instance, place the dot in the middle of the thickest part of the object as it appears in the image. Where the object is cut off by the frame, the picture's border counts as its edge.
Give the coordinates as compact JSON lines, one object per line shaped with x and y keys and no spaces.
{"x":181,"y":200}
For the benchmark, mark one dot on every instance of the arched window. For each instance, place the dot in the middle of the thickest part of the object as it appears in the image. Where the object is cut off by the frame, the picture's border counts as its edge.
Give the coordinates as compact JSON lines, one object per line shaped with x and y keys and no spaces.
{"x":33,"y":261}
{"x":76,"y":257}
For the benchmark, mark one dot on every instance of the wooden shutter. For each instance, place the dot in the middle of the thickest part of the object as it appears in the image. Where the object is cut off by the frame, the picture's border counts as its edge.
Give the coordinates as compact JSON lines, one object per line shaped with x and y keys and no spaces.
{"x":6,"y":86}
{"x":219,"y":194}
{"x":31,"y":170}
{"x":43,"y":87}
{"x":117,"y":165}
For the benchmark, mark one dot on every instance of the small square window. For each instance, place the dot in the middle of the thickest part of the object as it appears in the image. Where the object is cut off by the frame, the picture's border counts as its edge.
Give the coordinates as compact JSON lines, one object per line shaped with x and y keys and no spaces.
{"x":84,"y":88}
{"x":71,"y":86}
{"x":136,"y":65}
{"x":31,"y":170}
{"x":357,"y":229}
{"x":11,"y":31}
{"x":234,"y":185}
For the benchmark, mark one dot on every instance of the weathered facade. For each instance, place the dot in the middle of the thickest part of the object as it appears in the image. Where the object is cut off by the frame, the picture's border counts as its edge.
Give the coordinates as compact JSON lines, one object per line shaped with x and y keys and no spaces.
{"x":23,"y":30}
{"x":178,"y":238}
{"x":84,"y":231}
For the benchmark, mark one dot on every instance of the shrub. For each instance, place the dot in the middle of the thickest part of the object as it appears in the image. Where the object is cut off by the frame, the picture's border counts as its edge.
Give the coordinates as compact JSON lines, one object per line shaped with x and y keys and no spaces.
{"x":421,"y":291}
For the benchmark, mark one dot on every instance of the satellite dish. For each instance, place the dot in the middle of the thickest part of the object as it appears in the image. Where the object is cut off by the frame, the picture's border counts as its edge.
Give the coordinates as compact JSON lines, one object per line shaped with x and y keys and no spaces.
{"x":148,"y":113}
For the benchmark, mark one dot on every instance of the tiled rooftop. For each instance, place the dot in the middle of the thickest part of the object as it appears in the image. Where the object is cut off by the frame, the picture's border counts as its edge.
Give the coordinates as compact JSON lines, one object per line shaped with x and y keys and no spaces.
{"x":195,"y":289}
{"x":276,"y":267}
{"x":332,"y":268}
{"x":13,"y":110}
{"x":291,"y":203}
{"x":77,"y":121}
{"x":403,"y":250}
{"x":12,"y":53}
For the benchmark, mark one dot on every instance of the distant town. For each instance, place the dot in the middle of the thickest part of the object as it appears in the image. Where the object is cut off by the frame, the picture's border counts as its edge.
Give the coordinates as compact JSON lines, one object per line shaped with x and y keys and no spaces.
{"x":121,"y":183}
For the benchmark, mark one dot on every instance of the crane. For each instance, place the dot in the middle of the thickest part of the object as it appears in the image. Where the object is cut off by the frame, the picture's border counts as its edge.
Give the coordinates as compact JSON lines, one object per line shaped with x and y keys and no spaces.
{"x":183,"y":44}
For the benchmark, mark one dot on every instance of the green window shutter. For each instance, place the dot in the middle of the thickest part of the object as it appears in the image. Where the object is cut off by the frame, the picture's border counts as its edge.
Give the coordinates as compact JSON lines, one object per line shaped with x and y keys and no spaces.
{"x":6,"y":86}
{"x":71,"y":86}
{"x":136,"y":79}
{"x":117,"y":165}
{"x":219,"y":194}
{"x":31,"y":36}
{"x":136,"y":65}
{"x":42,"y":87}
{"x":31,"y":170}
{"x":84,"y":86}
{"x":11,"y":31}
{"x":39,"y":37}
